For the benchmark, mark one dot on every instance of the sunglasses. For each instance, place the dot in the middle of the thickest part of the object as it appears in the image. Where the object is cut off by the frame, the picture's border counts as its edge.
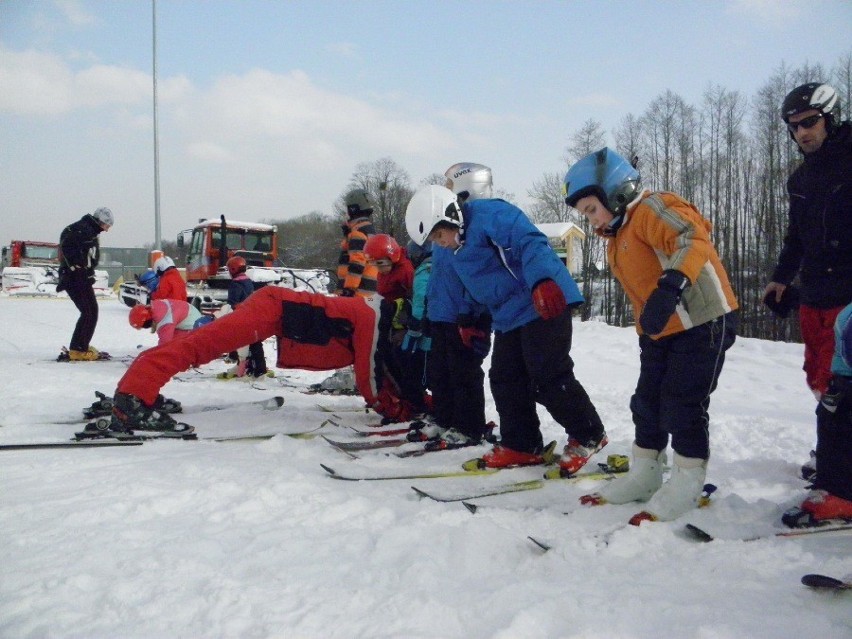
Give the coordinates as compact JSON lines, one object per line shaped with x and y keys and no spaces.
{"x":805,"y":123}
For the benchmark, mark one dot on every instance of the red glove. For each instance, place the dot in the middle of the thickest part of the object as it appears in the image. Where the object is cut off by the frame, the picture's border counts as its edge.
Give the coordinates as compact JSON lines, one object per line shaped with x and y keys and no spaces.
{"x":392,"y":408}
{"x":548,"y":299}
{"x":470,"y":333}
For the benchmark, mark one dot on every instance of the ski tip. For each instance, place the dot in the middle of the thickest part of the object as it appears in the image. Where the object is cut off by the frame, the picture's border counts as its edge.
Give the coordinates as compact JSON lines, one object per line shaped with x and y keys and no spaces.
{"x":472,"y":508}
{"x":329,"y":470}
{"x":823,"y":581}
{"x":696,"y":533}
{"x":549,"y":453}
{"x":541,"y":545}
{"x":473,"y":465}
{"x":420,"y":493}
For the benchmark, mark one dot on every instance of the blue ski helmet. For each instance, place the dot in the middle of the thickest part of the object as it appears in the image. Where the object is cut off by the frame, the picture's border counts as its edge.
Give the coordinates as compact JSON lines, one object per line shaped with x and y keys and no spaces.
{"x":605,"y":174}
{"x":149,"y":280}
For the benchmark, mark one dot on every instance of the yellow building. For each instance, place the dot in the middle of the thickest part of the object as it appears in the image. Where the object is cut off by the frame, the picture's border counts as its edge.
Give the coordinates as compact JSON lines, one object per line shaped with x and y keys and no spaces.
{"x":566,"y":238}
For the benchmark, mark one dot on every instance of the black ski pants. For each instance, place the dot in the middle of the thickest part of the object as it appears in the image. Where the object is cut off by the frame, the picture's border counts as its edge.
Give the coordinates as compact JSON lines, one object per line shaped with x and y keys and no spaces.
{"x":677,"y":374}
{"x":457,"y":381}
{"x":256,"y":360}
{"x":82,"y":293}
{"x":533,"y":364}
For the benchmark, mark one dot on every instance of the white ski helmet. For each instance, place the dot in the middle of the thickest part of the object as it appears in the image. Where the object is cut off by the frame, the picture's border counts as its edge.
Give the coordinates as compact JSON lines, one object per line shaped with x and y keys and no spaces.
{"x":163,"y":263}
{"x":429,"y":206}
{"x":470,"y":181}
{"x":104,"y":216}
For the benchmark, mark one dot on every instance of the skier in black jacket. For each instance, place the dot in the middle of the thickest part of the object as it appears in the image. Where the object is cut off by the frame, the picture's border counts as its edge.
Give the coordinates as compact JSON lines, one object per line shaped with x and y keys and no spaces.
{"x":818,"y":244}
{"x":80,"y":250}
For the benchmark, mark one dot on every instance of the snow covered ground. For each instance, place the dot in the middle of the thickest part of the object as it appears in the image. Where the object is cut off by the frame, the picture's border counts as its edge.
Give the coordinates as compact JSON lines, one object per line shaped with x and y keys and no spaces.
{"x":207,"y":539}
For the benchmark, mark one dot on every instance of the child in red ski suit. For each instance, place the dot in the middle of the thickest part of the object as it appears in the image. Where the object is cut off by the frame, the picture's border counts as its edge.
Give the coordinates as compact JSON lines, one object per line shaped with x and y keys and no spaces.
{"x":314,"y":331}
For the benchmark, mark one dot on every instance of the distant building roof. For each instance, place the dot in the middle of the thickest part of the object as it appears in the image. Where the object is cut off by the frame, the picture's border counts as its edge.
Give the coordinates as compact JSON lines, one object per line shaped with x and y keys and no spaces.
{"x":556,"y":229}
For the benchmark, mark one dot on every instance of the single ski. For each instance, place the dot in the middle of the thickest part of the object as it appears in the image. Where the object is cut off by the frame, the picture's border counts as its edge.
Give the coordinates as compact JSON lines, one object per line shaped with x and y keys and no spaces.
{"x":825,"y":582}
{"x":107,"y":443}
{"x":100,"y":429}
{"x":328,"y":408}
{"x":439,"y":475}
{"x":366,"y":445}
{"x":437,"y":446}
{"x":272,"y":403}
{"x":135,"y":436}
{"x":393,"y":432}
{"x":302,"y":434}
{"x":833,"y":525}
{"x":103,"y":407}
{"x":513,"y":487}
{"x":543,"y":546}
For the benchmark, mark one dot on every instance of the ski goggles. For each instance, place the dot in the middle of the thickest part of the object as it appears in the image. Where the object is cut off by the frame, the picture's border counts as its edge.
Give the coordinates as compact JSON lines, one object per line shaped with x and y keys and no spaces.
{"x":805,"y":123}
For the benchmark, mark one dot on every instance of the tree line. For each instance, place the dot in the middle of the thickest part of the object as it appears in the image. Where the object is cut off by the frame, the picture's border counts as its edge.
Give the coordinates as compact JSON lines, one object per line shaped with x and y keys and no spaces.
{"x":730,"y":155}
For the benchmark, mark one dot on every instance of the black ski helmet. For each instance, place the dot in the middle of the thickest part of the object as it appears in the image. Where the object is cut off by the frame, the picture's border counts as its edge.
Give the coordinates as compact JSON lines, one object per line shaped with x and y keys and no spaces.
{"x":814,"y":96}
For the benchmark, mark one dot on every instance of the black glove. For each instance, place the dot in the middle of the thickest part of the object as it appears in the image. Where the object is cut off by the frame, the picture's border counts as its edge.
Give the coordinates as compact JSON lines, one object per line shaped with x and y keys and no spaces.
{"x":347,"y":292}
{"x":663,"y":301}
{"x":789,"y":301}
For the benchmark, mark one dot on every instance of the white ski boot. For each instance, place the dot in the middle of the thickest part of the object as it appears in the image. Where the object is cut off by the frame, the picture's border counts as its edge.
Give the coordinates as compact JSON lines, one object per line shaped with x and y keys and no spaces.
{"x":642,"y":480}
{"x":681,"y":492}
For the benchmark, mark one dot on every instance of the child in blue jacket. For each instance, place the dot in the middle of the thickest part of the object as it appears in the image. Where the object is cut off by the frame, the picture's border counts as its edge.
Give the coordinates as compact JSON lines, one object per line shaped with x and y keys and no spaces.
{"x":507,"y":265}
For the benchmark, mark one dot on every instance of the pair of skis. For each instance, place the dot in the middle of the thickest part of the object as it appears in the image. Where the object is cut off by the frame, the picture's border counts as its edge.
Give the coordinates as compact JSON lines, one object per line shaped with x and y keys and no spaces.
{"x":604,"y":473}
{"x":104,"y":439}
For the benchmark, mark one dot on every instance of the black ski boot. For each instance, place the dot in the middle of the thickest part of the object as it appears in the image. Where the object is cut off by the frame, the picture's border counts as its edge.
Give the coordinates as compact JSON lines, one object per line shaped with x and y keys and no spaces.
{"x":101,"y":408}
{"x":129,"y":414}
{"x":167,"y":405}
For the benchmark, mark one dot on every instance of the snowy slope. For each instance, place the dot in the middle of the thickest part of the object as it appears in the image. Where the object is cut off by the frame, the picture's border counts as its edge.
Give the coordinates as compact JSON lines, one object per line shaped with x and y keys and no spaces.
{"x":205,"y":539}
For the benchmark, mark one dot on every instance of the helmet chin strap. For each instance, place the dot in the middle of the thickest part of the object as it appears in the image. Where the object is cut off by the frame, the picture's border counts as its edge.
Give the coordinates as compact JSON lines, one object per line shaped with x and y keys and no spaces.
{"x":612,"y":228}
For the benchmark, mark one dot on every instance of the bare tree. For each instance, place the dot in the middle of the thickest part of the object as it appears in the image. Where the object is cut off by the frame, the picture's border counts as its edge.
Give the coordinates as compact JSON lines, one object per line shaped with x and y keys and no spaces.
{"x":309,"y":241}
{"x":389,"y":186}
{"x":843,"y":80}
{"x":437,"y":179}
{"x":548,"y":200}
{"x":590,"y":137}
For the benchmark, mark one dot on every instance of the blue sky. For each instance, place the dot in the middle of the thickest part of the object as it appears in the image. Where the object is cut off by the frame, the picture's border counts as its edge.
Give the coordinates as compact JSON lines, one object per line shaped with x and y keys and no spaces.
{"x":266,"y":107}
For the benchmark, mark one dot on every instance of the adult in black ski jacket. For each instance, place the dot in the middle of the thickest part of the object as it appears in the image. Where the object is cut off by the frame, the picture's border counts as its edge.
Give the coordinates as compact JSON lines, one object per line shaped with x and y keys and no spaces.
{"x":819,"y":234}
{"x":80,"y":251}
{"x":818,"y":244}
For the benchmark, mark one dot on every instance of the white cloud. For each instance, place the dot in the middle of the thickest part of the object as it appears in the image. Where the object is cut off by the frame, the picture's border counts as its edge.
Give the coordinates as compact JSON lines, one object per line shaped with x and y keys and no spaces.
{"x":343,"y":49}
{"x":770,"y":12}
{"x":74,"y":13}
{"x":33,"y":83}
{"x":289,"y":111}
{"x":258,"y":117}
{"x":208,"y":151}
{"x":43,"y":84}
{"x":594,"y":100}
